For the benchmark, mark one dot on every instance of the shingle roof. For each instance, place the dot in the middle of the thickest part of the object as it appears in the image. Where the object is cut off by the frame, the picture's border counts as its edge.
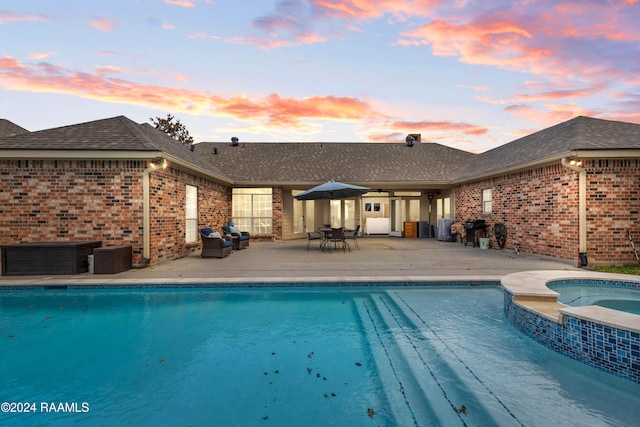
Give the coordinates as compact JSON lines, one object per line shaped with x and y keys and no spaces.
{"x":117,"y":133}
{"x":580,"y":133}
{"x":112,"y":134}
{"x":168,"y":145}
{"x":358,"y":163}
{"x":350,"y":162}
{"x":8,"y":128}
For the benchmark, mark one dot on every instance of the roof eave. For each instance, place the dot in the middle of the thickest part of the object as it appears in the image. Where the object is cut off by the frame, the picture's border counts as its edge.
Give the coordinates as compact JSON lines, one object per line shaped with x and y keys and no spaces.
{"x":516,"y":168}
{"x":608,"y":154}
{"x":395,"y":185}
{"x":584,"y":154}
{"x":196,"y":169}
{"x":80,"y":154}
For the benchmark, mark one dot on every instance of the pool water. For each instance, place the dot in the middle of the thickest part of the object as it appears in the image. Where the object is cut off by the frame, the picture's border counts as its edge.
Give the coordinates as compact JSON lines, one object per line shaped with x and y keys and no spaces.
{"x":291,"y":357}
{"x":622,"y":299}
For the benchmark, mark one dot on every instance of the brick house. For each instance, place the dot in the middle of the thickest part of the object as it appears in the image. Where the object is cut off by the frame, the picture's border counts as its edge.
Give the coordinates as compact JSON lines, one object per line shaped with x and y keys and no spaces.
{"x":571,"y":191}
{"x":564,"y":191}
{"x":106,"y":180}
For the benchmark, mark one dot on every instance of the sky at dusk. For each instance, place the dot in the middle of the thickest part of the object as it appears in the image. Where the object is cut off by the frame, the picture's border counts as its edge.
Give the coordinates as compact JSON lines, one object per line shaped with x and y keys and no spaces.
{"x":467,"y":74}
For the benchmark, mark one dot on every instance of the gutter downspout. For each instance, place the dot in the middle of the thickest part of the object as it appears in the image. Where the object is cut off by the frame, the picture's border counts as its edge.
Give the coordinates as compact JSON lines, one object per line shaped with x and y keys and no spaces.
{"x":146,"y":196}
{"x":582,"y":208}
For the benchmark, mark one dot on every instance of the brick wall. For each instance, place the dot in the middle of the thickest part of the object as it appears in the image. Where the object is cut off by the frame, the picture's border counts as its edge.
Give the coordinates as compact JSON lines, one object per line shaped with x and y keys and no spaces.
{"x":64,"y":200}
{"x":168,"y":216}
{"x":277,"y":206}
{"x":613,"y":206}
{"x":540,"y":209}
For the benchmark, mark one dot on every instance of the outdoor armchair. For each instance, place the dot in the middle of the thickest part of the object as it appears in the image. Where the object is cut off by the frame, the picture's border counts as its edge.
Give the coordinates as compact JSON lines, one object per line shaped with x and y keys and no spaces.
{"x":214,"y":245}
{"x":242,"y":237}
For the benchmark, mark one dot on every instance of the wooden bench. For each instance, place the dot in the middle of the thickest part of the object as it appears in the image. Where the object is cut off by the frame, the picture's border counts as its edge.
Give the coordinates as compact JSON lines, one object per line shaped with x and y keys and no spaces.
{"x":112,"y":259}
{"x":28,"y":259}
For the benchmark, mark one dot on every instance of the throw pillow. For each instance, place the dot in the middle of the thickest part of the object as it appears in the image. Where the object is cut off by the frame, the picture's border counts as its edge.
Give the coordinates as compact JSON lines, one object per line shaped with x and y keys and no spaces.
{"x":215,"y":235}
{"x":235,"y":230}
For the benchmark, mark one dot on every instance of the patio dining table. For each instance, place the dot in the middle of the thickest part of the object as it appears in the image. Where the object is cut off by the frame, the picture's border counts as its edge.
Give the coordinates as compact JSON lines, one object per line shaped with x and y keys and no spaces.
{"x":326,"y":233}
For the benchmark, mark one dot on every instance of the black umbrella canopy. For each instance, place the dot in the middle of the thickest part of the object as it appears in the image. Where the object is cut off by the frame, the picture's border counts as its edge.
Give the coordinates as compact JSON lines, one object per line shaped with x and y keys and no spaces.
{"x":332,"y":190}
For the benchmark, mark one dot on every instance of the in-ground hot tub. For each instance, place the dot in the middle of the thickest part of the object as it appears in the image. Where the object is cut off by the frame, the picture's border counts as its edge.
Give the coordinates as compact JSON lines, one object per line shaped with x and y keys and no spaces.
{"x":599,"y":336}
{"x":614,"y":295}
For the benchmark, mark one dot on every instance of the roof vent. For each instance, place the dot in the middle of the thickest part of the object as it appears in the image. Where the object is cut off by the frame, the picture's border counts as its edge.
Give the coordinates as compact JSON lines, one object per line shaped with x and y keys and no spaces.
{"x":413,"y":138}
{"x":215,"y":150}
{"x":234,"y":141}
{"x":192,"y":147}
{"x":410,"y":140}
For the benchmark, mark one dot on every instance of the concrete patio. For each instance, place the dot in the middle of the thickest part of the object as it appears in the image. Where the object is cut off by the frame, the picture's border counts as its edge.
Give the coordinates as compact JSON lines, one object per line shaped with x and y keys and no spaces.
{"x":379,"y":258}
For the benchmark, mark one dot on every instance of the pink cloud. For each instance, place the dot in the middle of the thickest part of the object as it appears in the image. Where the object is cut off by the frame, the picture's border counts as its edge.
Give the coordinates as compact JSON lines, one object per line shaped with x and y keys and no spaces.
{"x":7,"y":16}
{"x":103,"y":24}
{"x":274,"y":43}
{"x":554,"y":113}
{"x":270,"y":113}
{"x":41,"y":55}
{"x":373,"y":9}
{"x":288,"y":112}
{"x":587,"y":40}
{"x":440,"y":126}
{"x":500,"y":44}
{"x":272,"y":110}
{"x":292,"y":21}
{"x":181,"y":3}
{"x":553,"y":93}
{"x":202,"y":36}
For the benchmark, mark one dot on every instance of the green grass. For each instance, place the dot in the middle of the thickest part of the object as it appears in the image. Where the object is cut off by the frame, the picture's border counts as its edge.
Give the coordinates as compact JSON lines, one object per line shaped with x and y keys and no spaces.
{"x":620,"y":269}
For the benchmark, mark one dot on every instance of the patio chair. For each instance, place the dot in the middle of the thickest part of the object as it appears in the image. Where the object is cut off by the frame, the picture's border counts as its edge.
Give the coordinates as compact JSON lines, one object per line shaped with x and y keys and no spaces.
{"x":337,"y":236}
{"x":353,"y":235}
{"x":214,"y":245}
{"x":242,"y":240}
{"x":314,"y":235}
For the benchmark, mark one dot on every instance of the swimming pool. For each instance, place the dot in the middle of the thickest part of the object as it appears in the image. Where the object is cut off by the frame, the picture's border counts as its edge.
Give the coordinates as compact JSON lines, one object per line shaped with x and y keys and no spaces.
{"x":291,"y":356}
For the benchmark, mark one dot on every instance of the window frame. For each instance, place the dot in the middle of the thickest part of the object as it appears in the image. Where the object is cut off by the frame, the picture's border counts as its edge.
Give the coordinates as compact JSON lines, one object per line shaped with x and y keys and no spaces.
{"x":487,"y":200}
{"x":191,"y":214}
{"x":254,"y":200}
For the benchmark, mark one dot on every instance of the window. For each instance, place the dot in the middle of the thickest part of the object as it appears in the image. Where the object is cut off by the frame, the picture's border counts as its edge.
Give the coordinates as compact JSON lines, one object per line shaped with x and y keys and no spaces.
{"x":443,"y":208}
{"x":304,"y":218}
{"x":336,"y":213}
{"x":252,"y":210}
{"x":413,"y":210}
{"x":349,"y":214}
{"x":191,"y":214}
{"x":407,"y":193}
{"x":487,"y":200}
{"x":298,"y":214}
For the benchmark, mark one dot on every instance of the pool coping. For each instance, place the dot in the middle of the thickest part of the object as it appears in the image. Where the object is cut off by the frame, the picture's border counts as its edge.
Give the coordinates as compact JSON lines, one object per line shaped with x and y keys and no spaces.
{"x":530,"y":291}
{"x":253,"y":282}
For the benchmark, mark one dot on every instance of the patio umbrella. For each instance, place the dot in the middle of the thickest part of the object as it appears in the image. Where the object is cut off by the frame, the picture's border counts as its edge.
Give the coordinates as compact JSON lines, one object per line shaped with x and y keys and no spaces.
{"x":332,"y":190}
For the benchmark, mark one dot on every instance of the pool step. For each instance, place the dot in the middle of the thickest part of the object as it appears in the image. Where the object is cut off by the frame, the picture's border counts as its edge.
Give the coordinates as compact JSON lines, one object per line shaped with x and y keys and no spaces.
{"x":428,"y":355}
{"x":429,"y":381}
{"x":406,"y":398}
